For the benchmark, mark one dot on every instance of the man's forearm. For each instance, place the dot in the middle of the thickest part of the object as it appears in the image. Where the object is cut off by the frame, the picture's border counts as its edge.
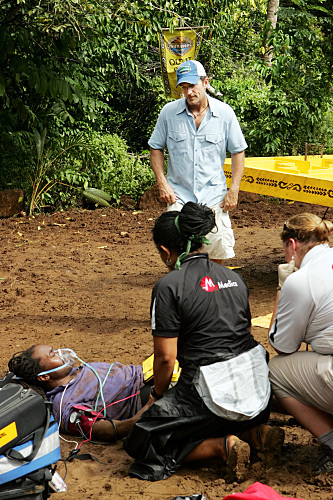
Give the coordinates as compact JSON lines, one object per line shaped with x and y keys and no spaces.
{"x":237,"y":169}
{"x":167,"y":194}
{"x":157,"y":164}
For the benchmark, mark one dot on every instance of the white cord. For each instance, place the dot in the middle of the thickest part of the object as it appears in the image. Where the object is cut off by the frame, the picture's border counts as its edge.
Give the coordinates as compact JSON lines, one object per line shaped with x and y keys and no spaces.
{"x":68,"y":441}
{"x":59,"y":424}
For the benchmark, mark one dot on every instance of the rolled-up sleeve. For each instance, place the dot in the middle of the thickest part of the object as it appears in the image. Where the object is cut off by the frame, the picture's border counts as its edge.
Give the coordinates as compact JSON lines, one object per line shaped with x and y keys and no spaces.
{"x":158,"y":138}
{"x":236,"y":142}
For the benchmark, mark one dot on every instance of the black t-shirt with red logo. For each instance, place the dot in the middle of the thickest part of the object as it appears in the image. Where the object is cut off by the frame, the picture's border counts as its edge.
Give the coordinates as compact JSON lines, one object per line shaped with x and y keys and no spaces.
{"x":206,"y":306}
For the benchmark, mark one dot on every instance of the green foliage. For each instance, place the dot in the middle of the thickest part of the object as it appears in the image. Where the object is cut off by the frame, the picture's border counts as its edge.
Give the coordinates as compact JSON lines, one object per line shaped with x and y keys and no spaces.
{"x":98,"y":161}
{"x":48,"y":160}
{"x":97,"y":197}
{"x":110,"y":167}
{"x":142,"y":107}
{"x":298,"y":79}
{"x":282,"y":105}
{"x":250,"y":100}
{"x":15,"y":159}
{"x":93,"y":68}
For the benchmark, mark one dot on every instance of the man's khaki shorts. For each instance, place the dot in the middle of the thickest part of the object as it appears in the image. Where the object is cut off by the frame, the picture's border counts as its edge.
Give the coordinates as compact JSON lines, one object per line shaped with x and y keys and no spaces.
{"x":221,"y":238}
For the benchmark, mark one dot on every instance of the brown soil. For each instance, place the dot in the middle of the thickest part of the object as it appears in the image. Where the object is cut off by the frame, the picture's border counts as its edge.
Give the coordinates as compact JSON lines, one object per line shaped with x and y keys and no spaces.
{"x":83,"y":280}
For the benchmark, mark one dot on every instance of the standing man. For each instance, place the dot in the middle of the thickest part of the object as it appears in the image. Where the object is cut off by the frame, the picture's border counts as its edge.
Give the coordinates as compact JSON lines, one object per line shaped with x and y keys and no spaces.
{"x":197,"y":130}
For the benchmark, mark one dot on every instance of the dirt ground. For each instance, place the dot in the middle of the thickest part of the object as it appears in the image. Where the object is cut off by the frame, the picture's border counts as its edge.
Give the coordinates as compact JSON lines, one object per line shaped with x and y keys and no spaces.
{"x":83,"y":279}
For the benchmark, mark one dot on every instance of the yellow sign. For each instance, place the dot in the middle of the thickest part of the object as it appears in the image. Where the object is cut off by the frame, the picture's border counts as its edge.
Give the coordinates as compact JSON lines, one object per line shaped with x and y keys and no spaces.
{"x":7,"y":434}
{"x":181,"y":45}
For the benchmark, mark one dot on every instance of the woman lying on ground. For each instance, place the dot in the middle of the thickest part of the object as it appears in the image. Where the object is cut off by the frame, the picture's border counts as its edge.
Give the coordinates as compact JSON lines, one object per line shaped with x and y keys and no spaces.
{"x":302,"y":381}
{"x":119,"y":388}
{"x":200,"y":314}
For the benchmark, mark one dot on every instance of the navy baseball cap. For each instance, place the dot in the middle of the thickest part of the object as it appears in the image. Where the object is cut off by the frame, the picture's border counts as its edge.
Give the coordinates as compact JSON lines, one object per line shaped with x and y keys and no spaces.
{"x":190,"y":72}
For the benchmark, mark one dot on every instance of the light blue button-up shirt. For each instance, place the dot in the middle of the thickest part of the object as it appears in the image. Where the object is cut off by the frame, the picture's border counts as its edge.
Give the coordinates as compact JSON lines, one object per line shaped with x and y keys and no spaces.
{"x":196,"y":157}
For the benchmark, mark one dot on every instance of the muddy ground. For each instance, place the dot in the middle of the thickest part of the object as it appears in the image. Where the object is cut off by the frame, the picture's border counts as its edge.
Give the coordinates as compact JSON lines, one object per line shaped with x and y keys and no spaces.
{"x":83,"y":279}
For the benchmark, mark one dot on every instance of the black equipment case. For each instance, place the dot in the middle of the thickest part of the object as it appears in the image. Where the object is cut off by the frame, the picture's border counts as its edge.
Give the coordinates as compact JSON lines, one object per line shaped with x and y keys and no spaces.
{"x":22,"y":411}
{"x":29,"y":443}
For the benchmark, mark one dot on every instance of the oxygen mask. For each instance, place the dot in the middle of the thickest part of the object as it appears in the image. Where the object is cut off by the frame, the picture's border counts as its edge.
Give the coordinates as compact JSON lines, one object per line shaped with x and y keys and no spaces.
{"x":67,"y":356}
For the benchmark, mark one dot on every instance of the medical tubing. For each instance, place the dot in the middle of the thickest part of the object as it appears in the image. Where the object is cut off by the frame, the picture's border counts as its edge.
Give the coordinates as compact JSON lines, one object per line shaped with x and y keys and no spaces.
{"x":106,"y":376}
{"x":99,"y":381}
{"x":54,"y":369}
{"x":100,"y":394}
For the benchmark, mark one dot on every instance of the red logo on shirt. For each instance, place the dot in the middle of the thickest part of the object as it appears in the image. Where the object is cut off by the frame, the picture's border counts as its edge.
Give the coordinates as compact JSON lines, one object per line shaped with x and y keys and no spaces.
{"x":208,"y":285}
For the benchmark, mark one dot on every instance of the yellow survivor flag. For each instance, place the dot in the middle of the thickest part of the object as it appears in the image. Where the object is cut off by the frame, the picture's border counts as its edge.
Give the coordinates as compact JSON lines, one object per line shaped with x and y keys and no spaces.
{"x":181,"y":45}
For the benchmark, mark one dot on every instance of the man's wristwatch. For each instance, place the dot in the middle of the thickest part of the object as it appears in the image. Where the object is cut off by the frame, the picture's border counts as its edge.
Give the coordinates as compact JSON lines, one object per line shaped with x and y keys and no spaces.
{"x":154,"y":393}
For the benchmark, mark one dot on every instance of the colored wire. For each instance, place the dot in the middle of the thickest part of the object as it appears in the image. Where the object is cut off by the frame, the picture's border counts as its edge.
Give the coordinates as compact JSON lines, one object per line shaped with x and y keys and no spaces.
{"x":106,"y":376}
{"x":99,"y":381}
{"x":103,"y":409}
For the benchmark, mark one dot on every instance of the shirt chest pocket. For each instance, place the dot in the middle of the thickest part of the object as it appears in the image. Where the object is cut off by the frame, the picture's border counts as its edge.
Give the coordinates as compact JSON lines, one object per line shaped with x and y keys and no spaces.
{"x":212,"y":145}
{"x":214,"y":139}
{"x":177,"y":142}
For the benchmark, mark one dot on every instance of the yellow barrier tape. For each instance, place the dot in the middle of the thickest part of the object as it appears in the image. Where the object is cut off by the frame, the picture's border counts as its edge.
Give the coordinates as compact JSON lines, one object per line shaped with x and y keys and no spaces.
{"x":148,"y":372}
{"x":290,"y":178}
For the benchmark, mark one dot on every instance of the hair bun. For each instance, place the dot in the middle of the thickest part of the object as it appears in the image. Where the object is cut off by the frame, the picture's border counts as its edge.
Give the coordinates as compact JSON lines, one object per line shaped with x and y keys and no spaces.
{"x":196,"y":220}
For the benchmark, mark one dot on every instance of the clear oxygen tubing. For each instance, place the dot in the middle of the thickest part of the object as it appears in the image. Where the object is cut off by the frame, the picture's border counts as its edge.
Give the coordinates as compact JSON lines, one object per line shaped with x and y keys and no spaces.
{"x":101,"y":390}
{"x":55,"y":369}
{"x":68,"y":356}
{"x":100,"y":393}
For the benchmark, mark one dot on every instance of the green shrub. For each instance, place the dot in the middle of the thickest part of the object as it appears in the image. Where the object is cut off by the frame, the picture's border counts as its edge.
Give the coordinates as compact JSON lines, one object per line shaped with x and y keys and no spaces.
{"x":104,"y":163}
{"x":108,"y":165}
{"x":96,"y":160}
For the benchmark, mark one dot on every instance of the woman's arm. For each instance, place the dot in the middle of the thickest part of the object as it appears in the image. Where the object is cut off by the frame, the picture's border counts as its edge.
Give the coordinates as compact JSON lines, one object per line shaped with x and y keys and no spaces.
{"x":273,"y":318}
{"x":274,"y":310}
{"x":165,"y":353}
{"x":104,"y":430}
{"x":291,"y":316}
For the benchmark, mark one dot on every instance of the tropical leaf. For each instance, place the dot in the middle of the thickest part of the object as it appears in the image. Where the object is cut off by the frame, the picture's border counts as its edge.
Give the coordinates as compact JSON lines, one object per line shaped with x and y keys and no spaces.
{"x":97,"y":200}
{"x":99,"y":193}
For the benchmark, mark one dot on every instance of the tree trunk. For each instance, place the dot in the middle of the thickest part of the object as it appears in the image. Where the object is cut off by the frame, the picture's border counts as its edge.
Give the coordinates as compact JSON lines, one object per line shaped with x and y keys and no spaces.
{"x":272,"y":11}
